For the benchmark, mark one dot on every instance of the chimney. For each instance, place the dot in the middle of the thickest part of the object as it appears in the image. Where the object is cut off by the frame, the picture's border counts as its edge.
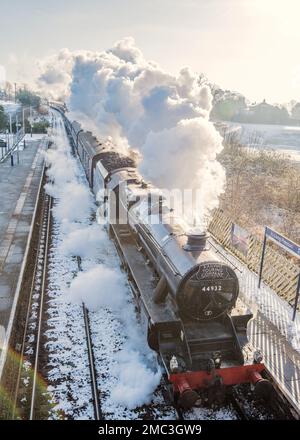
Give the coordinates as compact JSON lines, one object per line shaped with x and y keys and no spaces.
{"x":196,"y":241}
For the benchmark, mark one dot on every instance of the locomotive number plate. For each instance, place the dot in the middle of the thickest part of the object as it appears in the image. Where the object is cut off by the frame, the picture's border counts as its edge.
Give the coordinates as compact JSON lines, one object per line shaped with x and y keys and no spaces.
{"x":211,"y":289}
{"x":225,"y":286}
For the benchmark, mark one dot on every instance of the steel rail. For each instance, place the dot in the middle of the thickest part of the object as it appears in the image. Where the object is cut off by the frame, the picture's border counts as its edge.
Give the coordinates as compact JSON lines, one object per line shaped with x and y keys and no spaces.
{"x":95,"y":392}
{"x":40,"y":317}
{"x":94,"y":386}
{"x":22,"y":351}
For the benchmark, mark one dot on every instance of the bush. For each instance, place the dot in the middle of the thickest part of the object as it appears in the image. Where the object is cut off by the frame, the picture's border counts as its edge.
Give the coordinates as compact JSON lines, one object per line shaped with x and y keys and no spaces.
{"x":262,"y":188}
{"x":40,"y":127}
{"x":27,"y":98}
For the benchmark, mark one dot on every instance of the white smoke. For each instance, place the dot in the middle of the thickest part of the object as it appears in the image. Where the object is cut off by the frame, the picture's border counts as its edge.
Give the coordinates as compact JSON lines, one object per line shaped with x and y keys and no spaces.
{"x":165,"y":117}
{"x":136,"y":381}
{"x":75,"y":203}
{"x":181,"y":163}
{"x":100,"y":286}
{"x":85,"y":242}
{"x":55,"y":74}
{"x":75,"y":200}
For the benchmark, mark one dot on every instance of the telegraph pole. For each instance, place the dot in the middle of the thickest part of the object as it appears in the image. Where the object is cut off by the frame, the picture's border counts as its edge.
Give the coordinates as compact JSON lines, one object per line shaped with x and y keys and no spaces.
{"x":17,"y":124}
{"x":10,"y":128}
{"x":30,"y":121}
{"x":24,"y":120}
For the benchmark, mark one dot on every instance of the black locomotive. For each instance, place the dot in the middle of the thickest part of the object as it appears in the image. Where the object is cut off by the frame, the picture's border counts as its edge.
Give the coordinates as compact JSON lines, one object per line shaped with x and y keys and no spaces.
{"x":186,"y":292}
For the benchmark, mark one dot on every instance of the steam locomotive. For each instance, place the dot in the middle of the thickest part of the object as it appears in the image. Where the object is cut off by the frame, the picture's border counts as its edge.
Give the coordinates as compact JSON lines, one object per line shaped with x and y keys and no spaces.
{"x":187,"y":294}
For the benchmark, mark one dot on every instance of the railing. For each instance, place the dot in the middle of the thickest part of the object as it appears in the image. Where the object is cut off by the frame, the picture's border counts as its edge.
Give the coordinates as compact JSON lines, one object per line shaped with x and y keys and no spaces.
{"x":279,"y":272}
{"x":17,"y":139}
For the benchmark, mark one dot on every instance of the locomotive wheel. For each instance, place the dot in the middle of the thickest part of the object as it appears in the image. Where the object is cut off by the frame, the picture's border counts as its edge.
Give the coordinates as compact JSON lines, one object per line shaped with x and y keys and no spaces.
{"x":263,"y":389}
{"x":188,"y":399}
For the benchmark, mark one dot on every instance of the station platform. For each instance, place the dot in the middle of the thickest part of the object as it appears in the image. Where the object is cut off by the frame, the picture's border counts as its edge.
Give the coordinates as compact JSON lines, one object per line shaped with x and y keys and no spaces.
{"x":272,"y":330}
{"x":19,"y":187}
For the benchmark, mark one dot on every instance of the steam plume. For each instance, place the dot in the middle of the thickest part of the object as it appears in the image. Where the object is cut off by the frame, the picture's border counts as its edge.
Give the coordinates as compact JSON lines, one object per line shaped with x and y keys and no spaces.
{"x":140,"y":106}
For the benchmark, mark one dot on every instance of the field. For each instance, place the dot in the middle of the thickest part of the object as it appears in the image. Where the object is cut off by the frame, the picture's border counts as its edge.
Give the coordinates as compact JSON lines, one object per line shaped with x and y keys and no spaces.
{"x":263,"y":185}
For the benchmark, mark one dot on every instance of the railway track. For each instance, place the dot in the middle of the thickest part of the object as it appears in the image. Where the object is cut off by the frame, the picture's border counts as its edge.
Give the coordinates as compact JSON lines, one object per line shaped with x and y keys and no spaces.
{"x":30,"y":393}
{"x":93,"y":374}
{"x":94,"y":385}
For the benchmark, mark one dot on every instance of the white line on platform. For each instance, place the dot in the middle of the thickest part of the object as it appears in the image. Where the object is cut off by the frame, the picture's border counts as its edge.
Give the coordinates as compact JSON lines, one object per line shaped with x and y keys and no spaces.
{"x":4,"y":350}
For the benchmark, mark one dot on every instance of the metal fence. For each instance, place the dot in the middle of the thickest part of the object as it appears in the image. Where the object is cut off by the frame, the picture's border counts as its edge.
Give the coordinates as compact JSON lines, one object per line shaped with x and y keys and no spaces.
{"x":279,"y":272}
{"x":11,"y":149}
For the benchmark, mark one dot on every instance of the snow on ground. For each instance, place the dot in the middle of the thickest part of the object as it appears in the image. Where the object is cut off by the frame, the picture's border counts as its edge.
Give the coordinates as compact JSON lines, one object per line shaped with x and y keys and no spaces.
{"x":68,"y":376}
{"x":293,"y":155}
{"x":34,"y":136}
{"x":279,"y":137}
{"x":210,"y":414}
{"x":127,"y":369}
{"x":282,"y":138}
{"x":10,"y":106}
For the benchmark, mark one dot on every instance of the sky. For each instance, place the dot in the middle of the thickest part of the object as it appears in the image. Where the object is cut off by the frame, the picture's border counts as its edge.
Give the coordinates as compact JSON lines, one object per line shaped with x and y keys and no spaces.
{"x":250,"y":46}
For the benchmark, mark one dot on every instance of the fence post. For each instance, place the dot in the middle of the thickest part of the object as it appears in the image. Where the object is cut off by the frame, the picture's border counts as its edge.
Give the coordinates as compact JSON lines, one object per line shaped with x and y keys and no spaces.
{"x":12,"y":160}
{"x":262,"y":260}
{"x":296,"y":299}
